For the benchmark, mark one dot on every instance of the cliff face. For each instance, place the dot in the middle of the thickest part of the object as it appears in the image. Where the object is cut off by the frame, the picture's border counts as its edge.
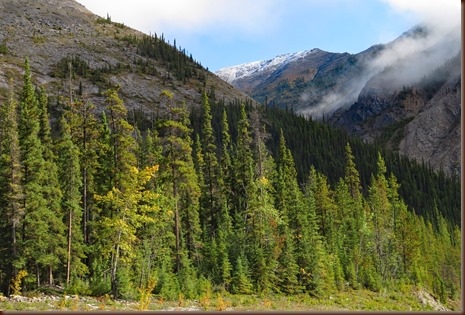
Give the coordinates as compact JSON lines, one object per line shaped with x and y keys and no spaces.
{"x":434,"y":135}
{"x":421,"y":120}
{"x":52,"y":32}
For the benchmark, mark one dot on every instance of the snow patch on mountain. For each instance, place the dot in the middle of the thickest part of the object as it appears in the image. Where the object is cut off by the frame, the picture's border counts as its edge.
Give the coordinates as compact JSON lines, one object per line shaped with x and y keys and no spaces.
{"x":230,"y":74}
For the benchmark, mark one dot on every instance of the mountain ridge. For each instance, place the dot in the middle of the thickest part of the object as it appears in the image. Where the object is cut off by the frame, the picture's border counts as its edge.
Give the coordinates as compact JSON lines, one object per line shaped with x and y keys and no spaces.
{"x":377,"y":77}
{"x":109,"y":54}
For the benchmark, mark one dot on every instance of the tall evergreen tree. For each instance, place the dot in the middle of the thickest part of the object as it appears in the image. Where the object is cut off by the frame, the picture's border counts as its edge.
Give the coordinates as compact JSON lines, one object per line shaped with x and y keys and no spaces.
{"x":289,"y":204}
{"x":42,"y":230}
{"x":243,"y":184}
{"x":84,"y":130}
{"x":383,"y":224}
{"x":11,"y":192}
{"x":71,"y":182}
{"x":211,"y":172}
{"x":180,"y":177}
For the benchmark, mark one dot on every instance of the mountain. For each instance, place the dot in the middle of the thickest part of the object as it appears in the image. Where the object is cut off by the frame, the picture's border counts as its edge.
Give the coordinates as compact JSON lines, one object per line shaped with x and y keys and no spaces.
{"x":277,"y":80}
{"x":387,"y":93}
{"x":58,"y":34}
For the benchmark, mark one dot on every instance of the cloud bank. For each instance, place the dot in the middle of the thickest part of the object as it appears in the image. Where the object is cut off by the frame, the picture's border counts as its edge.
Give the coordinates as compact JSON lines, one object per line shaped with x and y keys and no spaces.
{"x":410,"y":57}
{"x":188,"y":15}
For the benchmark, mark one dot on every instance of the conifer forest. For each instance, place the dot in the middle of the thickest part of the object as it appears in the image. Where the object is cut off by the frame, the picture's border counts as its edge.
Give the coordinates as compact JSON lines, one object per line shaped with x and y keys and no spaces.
{"x":241,"y":198}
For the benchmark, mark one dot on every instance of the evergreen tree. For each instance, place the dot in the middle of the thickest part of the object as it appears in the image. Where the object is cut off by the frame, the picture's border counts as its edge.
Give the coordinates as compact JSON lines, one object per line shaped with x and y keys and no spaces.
{"x":71,"y":182}
{"x":123,"y":185}
{"x":243,"y":187}
{"x":350,"y":202}
{"x":11,"y":192}
{"x":122,"y":140}
{"x":42,"y":234}
{"x":383,"y":224}
{"x":224,"y":235}
{"x":180,"y":177}
{"x":311,"y":253}
{"x":210,"y":204}
{"x":104,"y":177}
{"x":289,"y":204}
{"x":84,"y":131}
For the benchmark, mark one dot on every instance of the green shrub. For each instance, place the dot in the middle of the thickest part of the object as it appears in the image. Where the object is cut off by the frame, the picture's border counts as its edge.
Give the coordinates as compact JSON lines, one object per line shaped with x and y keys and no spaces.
{"x":3,"y":49}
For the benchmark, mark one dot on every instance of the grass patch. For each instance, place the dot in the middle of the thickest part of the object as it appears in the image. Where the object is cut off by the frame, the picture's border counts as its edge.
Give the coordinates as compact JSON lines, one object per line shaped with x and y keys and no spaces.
{"x":38,"y":39}
{"x":350,"y":300}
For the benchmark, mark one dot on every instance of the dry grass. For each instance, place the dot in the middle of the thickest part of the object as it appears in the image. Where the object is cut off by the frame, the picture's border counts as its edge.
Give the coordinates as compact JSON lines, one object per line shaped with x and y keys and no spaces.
{"x":349,"y":300}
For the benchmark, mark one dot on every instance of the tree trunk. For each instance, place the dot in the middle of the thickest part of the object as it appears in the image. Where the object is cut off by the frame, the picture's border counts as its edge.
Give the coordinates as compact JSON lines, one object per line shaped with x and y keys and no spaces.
{"x":37,"y":276}
{"x":50,"y":275}
{"x":70,"y":234}
{"x":114,"y":269}
{"x":176,"y":224}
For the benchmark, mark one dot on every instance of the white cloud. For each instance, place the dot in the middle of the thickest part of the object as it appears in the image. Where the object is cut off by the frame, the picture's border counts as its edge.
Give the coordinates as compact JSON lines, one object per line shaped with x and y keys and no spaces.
{"x":443,"y":14}
{"x":192,"y":16}
{"x":412,"y":58}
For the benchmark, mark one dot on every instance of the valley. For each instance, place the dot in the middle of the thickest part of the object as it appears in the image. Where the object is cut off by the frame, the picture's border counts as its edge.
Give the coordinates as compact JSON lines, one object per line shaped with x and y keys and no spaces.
{"x":133,"y":178}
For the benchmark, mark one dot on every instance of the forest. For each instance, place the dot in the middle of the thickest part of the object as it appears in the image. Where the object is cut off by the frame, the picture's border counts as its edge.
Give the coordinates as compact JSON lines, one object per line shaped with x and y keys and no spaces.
{"x":226,"y":197}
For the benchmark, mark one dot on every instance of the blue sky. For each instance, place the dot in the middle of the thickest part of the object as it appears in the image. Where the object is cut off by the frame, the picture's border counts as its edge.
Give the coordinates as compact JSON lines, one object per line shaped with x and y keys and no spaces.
{"x":222,"y":33}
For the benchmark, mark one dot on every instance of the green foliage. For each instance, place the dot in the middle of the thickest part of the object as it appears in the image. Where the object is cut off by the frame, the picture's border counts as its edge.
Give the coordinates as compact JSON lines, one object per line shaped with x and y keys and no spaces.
{"x":4,"y":48}
{"x":224,"y":200}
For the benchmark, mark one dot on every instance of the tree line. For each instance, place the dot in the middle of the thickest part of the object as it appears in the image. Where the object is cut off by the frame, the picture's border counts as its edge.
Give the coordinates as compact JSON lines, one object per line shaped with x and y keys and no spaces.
{"x":92,"y":202}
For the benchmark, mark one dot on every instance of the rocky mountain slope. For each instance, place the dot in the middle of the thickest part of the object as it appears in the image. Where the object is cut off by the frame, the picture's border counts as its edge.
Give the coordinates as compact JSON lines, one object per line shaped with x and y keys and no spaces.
{"x":404,"y":94}
{"x":281,"y":80}
{"x":58,"y":34}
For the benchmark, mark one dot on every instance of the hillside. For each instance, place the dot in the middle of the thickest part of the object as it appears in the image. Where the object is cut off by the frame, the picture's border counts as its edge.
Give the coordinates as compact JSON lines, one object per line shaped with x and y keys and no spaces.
{"x":102,"y":54}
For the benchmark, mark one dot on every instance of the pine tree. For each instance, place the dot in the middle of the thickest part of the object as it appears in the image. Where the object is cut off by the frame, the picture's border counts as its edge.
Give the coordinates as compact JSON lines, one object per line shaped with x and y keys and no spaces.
{"x":382,"y":217}
{"x":122,"y":140}
{"x":42,"y":230}
{"x":71,"y":182}
{"x":350,"y":202}
{"x":289,"y":204}
{"x":180,"y":177}
{"x":104,"y":177}
{"x":243,"y":189}
{"x":225,"y":227}
{"x":210,"y":204}
{"x":311,"y":253}
{"x":124,"y":185}
{"x":51,"y":186}
{"x":84,"y":130}
{"x":11,"y":191}
{"x":241,"y":283}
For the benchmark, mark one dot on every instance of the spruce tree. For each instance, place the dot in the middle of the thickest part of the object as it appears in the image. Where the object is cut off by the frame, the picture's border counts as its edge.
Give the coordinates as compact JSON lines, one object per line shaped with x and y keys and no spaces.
{"x":383,"y":224}
{"x":11,"y":192}
{"x":180,"y":178}
{"x":71,"y":183}
{"x":42,"y":229}
{"x":243,"y":188}
{"x":289,"y":202}
{"x":84,"y":130}
{"x":210,"y":204}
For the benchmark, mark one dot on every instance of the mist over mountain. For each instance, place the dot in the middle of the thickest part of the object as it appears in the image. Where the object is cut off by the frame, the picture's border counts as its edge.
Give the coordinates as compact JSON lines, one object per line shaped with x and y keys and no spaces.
{"x":364,"y":93}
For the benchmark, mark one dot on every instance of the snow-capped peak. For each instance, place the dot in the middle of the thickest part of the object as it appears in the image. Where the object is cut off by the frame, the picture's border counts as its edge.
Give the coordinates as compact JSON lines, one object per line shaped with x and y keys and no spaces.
{"x":230,"y":74}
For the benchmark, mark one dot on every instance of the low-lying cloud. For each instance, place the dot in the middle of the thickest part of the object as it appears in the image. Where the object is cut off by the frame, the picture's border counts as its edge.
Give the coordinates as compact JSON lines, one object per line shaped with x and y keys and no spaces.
{"x":410,"y":58}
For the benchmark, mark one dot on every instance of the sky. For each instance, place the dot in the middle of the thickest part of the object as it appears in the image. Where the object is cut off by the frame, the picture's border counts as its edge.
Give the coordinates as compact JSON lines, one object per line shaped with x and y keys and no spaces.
{"x":220,"y":33}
